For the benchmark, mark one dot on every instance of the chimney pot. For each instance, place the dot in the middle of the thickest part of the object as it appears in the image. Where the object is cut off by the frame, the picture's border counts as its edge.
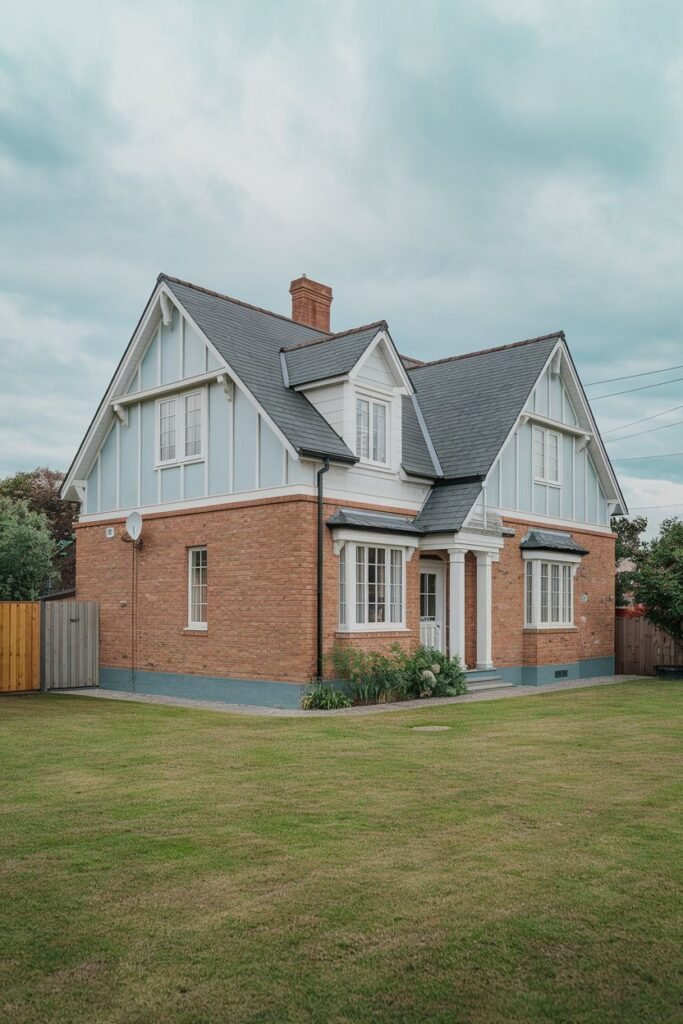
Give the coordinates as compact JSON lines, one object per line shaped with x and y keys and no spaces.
{"x":311,"y":302}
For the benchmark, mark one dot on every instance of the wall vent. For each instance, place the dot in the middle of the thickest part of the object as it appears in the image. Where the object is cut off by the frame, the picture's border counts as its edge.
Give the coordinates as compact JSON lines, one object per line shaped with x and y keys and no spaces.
{"x":561,"y":673}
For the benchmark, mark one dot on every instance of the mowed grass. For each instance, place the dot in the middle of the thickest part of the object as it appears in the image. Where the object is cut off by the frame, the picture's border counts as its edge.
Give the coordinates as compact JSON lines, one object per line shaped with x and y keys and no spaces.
{"x":172,"y":865}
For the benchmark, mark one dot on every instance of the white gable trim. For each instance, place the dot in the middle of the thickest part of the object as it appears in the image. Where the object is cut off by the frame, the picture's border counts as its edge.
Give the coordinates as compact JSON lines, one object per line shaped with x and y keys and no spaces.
{"x":560,"y":354}
{"x":115,"y":393}
{"x":384,"y":339}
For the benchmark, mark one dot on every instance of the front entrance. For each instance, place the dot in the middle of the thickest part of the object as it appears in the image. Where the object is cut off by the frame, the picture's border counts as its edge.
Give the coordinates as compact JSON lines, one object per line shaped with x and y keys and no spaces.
{"x":432,"y":579}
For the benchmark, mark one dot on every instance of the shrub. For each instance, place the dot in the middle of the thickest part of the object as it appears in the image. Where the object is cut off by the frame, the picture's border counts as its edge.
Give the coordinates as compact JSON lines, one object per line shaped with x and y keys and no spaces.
{"x":324,"y":698}
{"x":374,"y":678}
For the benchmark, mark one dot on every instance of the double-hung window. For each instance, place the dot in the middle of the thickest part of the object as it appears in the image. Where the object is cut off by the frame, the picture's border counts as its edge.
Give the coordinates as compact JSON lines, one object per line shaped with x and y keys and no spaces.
{"x":371,"y":430}
{"x":548,"y":593}
{"x":180,"y":427}
{"x":546,"y":456}
{"x":371,"y":587}
{"x":197,"y":588}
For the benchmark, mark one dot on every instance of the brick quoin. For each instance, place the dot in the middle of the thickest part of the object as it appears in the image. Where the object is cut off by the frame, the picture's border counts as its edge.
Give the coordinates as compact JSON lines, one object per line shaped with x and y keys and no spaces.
{"x":262,"y":595}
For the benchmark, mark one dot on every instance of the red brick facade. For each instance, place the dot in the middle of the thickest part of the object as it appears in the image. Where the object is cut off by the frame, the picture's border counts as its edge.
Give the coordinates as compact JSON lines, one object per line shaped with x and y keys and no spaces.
{"x":262,"y":595}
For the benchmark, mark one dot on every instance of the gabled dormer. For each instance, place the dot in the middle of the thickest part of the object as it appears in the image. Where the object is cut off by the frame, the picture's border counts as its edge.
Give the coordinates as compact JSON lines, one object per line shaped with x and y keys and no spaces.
{"x":357,"y":382}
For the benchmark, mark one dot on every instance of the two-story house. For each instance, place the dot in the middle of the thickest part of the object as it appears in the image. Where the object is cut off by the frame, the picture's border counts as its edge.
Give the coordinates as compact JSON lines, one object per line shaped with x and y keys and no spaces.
{"x":301,"y":489}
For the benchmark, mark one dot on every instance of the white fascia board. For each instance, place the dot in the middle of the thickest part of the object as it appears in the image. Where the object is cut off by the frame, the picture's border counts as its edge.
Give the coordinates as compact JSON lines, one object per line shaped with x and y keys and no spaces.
{"x":556,"y":425}
{"x":382,"y":538}
{"x":384,"y":338}
{"x":240,"y":383}
{"x":548,"y":555}
{"x":174,"y":387}
{"x":549,"y":522}
{"x":324,"y":382}
{"x":105,"y":410}
{"x":606,"y":465}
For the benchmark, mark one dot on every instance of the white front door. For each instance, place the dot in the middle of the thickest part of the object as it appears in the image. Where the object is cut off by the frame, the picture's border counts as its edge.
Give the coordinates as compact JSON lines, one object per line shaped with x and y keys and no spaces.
{"x":432,"y":604}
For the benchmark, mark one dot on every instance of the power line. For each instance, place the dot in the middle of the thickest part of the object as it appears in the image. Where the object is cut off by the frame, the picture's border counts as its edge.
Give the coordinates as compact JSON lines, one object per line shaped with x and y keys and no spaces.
{"x":643,"y":387}
{"x":649,"y":508}
{"x":638,"y":433}
{"x":641,"y":458}
{"x":630,"y":376}
{"x":645,"y":419}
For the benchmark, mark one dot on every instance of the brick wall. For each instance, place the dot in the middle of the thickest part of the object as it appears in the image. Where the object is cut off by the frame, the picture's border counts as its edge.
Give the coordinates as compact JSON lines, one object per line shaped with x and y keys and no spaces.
{"x":261,"y":592}
{"x":593,"y":635}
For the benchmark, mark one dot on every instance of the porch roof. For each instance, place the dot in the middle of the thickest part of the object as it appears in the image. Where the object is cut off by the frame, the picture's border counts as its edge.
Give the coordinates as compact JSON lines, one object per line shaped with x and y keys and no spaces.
{"x":551,"y":540}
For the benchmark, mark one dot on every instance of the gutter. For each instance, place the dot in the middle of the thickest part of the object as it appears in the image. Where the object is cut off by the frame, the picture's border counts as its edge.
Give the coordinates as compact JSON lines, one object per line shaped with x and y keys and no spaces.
{"x":319,"y":625}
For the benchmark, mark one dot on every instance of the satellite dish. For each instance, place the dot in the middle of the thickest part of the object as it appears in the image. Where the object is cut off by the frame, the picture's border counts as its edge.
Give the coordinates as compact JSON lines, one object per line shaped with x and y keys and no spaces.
{"x":134,"y":525}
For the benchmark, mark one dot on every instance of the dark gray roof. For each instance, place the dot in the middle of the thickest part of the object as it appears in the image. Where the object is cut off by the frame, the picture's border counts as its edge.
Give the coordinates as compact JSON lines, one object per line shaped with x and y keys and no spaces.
{"x":447,"y":506}
{"x":471,"y":402}
{"x":551,"y":540}
{"x":360,"y":519}
{"x":329,"y":357}
{"x":416,"y":456}
{"x":250,"y":339}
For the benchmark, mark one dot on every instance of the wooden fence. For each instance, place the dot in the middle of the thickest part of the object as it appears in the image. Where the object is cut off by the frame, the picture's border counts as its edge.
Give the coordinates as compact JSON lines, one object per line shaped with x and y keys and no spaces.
{"x":19,"y":646}
{"x":66,"y":655}
{"x":640,"y":646}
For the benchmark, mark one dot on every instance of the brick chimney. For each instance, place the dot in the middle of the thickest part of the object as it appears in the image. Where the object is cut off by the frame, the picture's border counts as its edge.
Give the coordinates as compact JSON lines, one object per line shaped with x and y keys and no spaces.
{"x":311,"y":303}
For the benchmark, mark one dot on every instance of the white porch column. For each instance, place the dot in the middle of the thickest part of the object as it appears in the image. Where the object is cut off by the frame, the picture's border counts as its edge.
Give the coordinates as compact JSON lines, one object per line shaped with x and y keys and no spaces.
{"x":456,"y":604}
{"x":484,"y":610}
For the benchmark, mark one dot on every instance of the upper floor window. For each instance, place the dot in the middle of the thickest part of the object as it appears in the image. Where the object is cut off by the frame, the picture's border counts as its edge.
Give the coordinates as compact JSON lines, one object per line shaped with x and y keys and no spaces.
{"x":180,"y":427}
{"x":546,"y":456}
{"x":371,"y":430}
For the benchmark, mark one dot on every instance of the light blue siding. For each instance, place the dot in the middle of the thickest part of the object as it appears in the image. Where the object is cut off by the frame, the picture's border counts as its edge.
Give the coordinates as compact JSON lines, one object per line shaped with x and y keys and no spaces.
{"x":108,"y":471}
{"x":567,"y":510}
{"x":272,"y":458}
{"x":246,"y":421}
{"x":299,"y":472}
{"x":170,"y":484}
{"x":149,"y":481}
{"x":220,"y":440}
{"x":211,"y":361}
{"x":592,"y":485}
{"x":91,"y":504}
{"x":128,"y":493}
{"x":524,"y":470}
{"x":170,"y":349}
{"x":149,"y":373}
{"x":194,"y":357}
{"x":194,"y":480}
{"x":580,"y":485}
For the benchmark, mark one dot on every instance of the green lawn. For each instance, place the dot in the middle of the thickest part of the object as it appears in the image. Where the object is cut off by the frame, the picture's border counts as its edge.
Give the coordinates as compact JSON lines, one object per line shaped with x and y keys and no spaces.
{"x":165,"y":865}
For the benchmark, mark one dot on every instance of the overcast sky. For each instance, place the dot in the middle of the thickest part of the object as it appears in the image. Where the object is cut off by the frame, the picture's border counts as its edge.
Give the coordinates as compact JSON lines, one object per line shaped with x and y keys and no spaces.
{"x":473,"y":172}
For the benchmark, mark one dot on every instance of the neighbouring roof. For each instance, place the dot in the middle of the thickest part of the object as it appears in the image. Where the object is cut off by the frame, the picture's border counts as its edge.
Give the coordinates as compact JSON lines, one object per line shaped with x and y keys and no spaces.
{"x":447,"y":505}
{"x":328,"y":356}
{"x":471,"y":402}
{"x":551,"y":540}
{"x":386,"y":521}
{"x":250,"y":339}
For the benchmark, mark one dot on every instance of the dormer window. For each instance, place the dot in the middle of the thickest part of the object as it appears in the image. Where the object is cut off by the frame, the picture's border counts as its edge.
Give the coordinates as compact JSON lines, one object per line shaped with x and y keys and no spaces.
{"x":371,"y":430}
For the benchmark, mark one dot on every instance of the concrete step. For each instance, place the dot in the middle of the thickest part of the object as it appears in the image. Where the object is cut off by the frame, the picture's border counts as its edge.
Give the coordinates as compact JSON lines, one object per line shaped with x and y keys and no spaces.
{"x":491,"y":683}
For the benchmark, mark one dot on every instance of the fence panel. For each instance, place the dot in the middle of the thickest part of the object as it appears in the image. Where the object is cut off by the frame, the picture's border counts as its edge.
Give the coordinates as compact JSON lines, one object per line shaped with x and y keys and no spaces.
{"x":640,"y":646}
{"x":71,"y":644}
{"x":19,"y":646}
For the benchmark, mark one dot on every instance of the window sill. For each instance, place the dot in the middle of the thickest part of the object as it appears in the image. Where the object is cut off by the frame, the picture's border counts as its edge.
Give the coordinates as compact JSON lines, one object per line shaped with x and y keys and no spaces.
{"x":372,"y":630}
{"x":548,"y":483}
{"x":197,"y":630}
{"x":546,"y":627}
{"x":192,"y":460}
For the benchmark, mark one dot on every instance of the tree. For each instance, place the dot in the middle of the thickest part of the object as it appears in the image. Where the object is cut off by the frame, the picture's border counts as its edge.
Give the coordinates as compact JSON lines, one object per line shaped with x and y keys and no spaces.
{"x":39,"y":489}
{"x":658,"y":578}
{"x":628,"y":544}
{"x":27,"y":551}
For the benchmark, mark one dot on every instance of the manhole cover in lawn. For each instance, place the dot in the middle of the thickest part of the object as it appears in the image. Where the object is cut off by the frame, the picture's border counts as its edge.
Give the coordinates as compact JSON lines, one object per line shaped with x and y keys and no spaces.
{"x":431,"y":728}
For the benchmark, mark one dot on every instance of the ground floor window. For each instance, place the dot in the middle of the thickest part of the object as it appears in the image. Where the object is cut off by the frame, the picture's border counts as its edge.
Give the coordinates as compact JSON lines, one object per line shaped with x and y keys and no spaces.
{"x":371,"y":586}
{"x":548,"y":593}
{"x":197,"y":588}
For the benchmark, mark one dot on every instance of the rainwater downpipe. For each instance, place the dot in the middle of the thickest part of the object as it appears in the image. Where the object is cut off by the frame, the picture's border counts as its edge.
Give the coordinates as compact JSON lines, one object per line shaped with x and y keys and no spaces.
{"x":319,"y":630}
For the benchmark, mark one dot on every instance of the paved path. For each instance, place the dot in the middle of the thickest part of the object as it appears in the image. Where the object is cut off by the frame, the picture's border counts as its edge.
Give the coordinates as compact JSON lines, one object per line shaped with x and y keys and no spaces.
{"x":372,"y":709}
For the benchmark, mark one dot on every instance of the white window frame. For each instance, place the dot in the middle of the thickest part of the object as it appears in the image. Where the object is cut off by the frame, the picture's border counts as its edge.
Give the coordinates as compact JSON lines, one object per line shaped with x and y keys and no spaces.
{"x":180,"y":398}
{"x":400,"y":552}
{"x":192,"y":624}
{"x":546,"y":565}
{"x":373,"y":402}
{"x":547,"y":434}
